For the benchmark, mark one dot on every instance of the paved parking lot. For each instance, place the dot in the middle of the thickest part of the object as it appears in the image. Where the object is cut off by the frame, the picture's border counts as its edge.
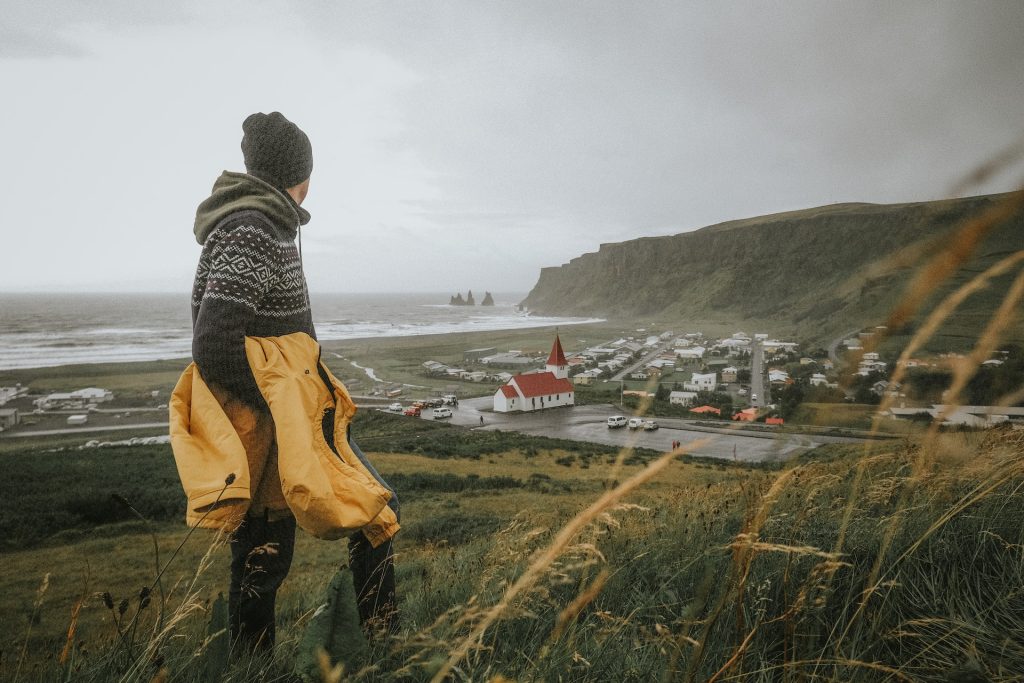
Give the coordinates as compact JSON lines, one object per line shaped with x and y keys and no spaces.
{"x":588,"y":423}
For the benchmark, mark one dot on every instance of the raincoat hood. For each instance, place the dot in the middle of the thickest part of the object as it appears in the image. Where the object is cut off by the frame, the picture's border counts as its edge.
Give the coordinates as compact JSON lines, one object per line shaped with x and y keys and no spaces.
{"x":234,"y":192}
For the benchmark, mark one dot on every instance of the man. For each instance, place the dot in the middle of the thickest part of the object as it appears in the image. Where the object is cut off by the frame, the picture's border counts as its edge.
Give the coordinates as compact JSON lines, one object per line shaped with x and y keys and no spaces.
{"x":250,"y":283}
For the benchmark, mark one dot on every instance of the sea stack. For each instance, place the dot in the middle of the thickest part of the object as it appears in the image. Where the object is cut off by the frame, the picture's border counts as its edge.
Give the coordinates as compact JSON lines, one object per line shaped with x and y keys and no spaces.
{"x":488,"y":300}
{"x":469,"y":299}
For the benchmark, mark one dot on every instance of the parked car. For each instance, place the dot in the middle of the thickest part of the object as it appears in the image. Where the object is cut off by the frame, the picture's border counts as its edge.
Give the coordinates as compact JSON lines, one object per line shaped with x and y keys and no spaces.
{"x":616,"y":421}
{"x":635,"y":423}
{"x":395,"y":407}
{"x":650,"y":426}
{"x":413,"y":411}
{"x":742,"y":392}
{"x":420,"y":404}
{"x":451,"y":399}
{"x":435,"y":403}
{"x":753,"y":397}
{"x":441,"y":413}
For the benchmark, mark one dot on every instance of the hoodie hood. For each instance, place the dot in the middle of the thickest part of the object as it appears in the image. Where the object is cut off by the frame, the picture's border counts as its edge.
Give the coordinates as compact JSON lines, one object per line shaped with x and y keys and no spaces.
{"x":234,"y":192}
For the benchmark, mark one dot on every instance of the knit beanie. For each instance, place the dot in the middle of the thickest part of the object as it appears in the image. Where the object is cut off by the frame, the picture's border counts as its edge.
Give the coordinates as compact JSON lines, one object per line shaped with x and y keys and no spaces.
{"x":276,"y":150}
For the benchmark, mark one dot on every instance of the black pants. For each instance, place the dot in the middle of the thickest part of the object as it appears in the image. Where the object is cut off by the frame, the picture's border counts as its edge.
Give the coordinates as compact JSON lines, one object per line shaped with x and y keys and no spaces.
{"x":261,"y":555}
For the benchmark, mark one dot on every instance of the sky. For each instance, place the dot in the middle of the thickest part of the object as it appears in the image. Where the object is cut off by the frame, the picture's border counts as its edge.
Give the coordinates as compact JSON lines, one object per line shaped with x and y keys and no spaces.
{"x":466,"y":145}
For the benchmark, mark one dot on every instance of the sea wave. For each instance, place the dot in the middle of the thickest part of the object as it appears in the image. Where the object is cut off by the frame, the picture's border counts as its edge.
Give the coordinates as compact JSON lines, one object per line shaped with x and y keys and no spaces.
{"x":45,"y":330}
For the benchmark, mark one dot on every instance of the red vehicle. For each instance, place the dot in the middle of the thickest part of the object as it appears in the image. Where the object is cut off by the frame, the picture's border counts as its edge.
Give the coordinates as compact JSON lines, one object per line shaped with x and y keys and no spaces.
{"x":412,"y":412}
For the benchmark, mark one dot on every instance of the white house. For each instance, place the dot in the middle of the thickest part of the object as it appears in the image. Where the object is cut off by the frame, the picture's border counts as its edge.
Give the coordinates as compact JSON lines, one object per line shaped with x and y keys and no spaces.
{"x":682,"y":398}
{"x":778,"y":376}
{"x":691,"y":353}
{"x":538,"y":390}
{"x":818,"y":379}
{"x":702,"y":382}
{"x":971,"y":416}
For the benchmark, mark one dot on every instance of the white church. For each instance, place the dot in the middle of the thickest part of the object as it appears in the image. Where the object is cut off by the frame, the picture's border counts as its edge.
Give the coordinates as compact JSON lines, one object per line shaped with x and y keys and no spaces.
{"x":538,"y":390}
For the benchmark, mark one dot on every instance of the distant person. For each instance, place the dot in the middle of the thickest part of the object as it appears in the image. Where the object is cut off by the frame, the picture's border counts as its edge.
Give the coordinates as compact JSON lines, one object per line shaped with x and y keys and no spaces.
{"x":481,"y":420}
{"x":250,"y":283}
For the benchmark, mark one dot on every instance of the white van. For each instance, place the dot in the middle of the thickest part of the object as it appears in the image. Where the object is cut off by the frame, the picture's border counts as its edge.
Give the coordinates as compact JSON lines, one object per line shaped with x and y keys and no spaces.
{"x":616,"y":421}
{"x":635,"y":423}
{"x":441,"y":413}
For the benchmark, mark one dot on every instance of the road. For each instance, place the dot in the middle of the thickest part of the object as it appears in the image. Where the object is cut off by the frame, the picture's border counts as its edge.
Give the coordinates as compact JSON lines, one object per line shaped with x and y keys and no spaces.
{"x":86,"y":430}
{"x":833,"y":347}
{"x":660,"y":348}
{"x":758,"y":377}
{"x":589,"y":423}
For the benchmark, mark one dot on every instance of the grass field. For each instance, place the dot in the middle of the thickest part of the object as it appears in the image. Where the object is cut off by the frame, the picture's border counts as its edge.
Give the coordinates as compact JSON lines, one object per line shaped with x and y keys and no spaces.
{"x":809,"y":572}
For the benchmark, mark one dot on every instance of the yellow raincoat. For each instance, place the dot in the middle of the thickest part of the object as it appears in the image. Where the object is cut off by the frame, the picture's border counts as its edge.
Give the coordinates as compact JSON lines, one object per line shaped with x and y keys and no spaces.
{"x":330,"y":494}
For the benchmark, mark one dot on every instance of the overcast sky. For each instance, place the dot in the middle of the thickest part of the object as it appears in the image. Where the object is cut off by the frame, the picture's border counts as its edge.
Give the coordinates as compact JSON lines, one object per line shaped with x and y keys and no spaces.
{"x":467,"y":145}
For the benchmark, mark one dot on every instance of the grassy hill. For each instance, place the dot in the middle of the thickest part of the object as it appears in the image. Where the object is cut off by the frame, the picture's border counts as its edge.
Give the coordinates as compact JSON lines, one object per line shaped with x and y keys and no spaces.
{"x":817,"y":272}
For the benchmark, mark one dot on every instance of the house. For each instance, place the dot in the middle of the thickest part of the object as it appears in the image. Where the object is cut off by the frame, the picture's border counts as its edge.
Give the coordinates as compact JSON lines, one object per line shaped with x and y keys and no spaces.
{"x":806,"y":360}
{"x":434,"y":367}
{"x":748,"y":415}
{"x":691,"y":353}
{"x":538,"y":390}
{"x":8,"y":418}
{"x":474,"y":355}
{"x":93,"y":395}
{"x":638,"y":375}
{"x":778,"y":376}
{"x":969,"y":416}
{"x":681,"y":398}
{"x":818,"y":379}
{"x":11,"y":393}
{"x":74,"y":399}
{"x":729,"y":374}
{"x":585,"y":378}
{"x":774,"y":421}
{"x":511,"y":359}
{"x":702,"y":382}
{"x":706,"y":410}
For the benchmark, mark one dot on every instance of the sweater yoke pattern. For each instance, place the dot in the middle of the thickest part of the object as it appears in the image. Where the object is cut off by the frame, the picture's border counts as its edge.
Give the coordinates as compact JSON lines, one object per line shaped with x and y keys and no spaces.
{"x":247,"y":264}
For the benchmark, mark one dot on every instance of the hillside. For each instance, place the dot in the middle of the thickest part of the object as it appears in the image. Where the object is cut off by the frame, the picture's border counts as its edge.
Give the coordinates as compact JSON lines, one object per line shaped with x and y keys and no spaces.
{"x":817,"y":272}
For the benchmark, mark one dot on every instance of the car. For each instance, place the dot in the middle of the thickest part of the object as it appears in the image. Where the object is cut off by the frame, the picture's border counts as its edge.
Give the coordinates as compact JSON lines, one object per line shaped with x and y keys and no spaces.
{"x":451,"y":399}
{"x":616,"y":421}
{"x":753,"y":397}
{"x":395,"y":407}
{"x":650,"y":426}
{"x":635,"y":423}
{"x":413,"y":411}
{"x":441,"y":413}
{"x":742,"y":392}
{"x":420,"y":404}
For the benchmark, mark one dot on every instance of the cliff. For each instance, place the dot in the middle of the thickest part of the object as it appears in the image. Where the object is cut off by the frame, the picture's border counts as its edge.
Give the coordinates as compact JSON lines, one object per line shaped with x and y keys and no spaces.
{"x":824,"y":270}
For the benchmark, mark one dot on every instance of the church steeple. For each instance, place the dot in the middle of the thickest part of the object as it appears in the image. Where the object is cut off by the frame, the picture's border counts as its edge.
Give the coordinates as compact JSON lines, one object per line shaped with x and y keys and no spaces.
{"x":557,"y":365}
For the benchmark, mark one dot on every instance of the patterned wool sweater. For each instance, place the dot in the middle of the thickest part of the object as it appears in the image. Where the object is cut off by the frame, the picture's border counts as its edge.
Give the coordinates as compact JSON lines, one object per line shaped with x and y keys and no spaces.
{"x":249,"y":281}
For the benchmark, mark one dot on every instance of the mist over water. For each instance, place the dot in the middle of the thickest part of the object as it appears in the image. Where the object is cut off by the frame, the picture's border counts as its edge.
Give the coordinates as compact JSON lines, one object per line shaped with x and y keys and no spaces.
{"x":40,"y":330}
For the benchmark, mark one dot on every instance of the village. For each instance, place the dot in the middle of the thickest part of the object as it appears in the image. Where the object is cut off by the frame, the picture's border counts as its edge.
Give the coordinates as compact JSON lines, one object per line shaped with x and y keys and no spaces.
{"x":739,"y":378}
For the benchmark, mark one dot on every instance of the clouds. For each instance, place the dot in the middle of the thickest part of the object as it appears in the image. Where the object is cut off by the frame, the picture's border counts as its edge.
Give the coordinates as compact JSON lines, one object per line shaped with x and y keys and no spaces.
{"x":469,"y":144}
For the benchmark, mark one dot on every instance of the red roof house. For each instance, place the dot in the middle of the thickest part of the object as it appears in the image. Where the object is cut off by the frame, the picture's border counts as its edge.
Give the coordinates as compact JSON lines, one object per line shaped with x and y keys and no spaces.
{"x":706,"y":409}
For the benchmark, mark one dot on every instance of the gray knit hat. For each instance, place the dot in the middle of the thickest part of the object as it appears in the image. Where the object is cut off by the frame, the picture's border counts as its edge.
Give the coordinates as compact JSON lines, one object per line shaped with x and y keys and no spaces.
{"x":276,"y":150}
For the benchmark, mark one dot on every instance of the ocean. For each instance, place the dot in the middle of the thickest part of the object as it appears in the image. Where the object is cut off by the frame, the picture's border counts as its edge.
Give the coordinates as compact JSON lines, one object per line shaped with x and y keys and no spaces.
{"x":43,"y":330}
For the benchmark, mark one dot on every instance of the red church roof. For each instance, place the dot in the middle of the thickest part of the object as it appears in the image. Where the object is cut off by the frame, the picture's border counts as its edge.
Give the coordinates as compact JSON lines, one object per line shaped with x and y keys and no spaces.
{"x":509,"y":391}
{"x":541,"y":384}
{"x":557,"y":357}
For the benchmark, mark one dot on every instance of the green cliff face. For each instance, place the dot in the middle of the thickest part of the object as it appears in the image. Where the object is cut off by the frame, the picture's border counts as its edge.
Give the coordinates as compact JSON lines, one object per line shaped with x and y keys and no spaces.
{"x":816,"y":272}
